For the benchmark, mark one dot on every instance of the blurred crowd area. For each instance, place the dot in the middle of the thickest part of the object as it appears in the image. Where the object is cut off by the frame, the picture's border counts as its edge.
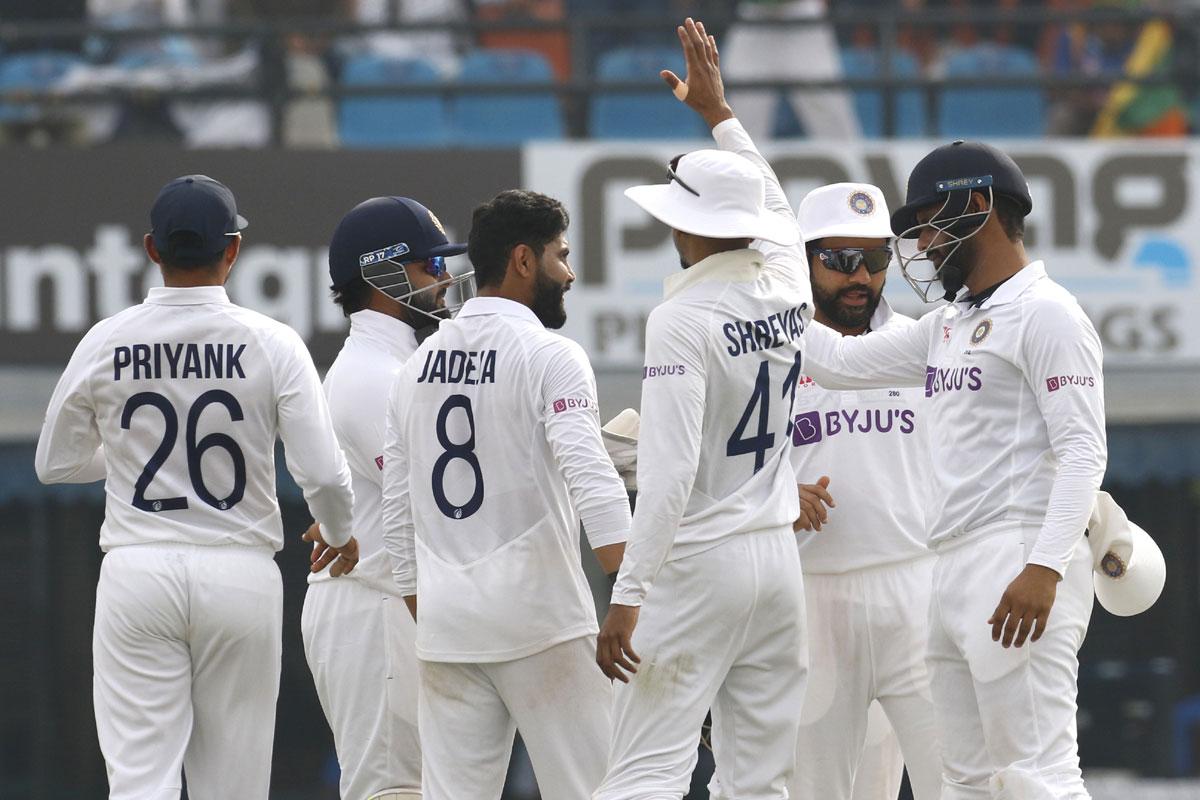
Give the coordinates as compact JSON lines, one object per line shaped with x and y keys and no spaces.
{"x":420,"y":73}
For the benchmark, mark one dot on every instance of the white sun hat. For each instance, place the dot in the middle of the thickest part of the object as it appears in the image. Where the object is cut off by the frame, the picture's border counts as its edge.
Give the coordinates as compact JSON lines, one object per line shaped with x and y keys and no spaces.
{"x":844,"y":210}
{"x":1129,"y":568}
{"x":718,"y":194}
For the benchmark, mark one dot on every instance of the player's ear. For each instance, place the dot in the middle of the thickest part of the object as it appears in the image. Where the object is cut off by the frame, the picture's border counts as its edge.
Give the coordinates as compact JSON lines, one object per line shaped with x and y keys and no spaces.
{"x":233,"y":249}
{"x":523,"y":261}
{"x":151,"y":250}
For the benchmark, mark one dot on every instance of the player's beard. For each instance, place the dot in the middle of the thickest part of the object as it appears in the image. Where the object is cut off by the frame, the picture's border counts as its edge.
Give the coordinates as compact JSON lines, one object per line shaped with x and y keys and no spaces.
{"x":427,"y":307}
{"x":957,"y":265}
{"x":847,"y":316}
{"x":548,"y":304}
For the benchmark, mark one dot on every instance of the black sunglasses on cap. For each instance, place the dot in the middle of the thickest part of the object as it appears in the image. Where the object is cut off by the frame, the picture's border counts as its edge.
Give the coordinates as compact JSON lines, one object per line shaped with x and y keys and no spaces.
{"x":847,"y":259}
{"x":672,"y":176}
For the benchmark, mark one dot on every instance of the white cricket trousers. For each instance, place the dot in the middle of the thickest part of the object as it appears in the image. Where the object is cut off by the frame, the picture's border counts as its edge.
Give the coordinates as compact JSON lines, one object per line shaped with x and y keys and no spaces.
{"x":1006,"y":716}
{"x":359,"y":643}
{"x":558,"y":699}
{"x":867,"y":637}
{"x":185,"y":655}
{"x":722,"y":629}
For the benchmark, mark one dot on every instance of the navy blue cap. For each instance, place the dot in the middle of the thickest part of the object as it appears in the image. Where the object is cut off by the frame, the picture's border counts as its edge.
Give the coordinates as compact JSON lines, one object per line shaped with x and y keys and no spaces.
{"x":960,"y":166}
{"x":385,"y":228}
{"x":199,"y":205}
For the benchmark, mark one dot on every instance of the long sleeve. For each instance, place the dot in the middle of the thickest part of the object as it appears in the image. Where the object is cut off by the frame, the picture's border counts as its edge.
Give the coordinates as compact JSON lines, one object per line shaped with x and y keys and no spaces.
{"x":893,"y":357}
{"x":1062,"y":362}
{"x":310,"y":447}
{"x":69,"y":447}
{"x":572,"y":416}
{"x":399,"y":532}
{"x":730,"y":135}
{"x":668,"y":450}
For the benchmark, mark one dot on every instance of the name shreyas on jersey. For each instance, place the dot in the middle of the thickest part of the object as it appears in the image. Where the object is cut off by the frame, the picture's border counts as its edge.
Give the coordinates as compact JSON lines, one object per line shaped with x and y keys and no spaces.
{"x":469,"y":367}
{"x":162,"y":360}
{"x":750,"y":336}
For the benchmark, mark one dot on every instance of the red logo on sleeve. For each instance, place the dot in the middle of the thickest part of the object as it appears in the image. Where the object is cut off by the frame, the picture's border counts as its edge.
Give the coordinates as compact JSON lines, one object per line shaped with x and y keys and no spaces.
{"x":569,"y":403}
{"x":379,"y":462}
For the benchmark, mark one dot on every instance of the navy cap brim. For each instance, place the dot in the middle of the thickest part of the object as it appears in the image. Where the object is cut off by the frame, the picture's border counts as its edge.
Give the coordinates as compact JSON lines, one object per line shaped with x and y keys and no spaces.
{"x":446,"y":250}
{"x":904,"y":218}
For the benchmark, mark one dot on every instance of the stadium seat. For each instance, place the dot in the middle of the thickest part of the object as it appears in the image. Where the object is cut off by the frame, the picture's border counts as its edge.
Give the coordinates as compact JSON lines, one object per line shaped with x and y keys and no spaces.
{"x":416,"y":120}
{"x":33,"y":72}
{"x":979,"y":112}
{"x":909,"y":110}
{"x":506,"y":119}
{"x":653,"y":114}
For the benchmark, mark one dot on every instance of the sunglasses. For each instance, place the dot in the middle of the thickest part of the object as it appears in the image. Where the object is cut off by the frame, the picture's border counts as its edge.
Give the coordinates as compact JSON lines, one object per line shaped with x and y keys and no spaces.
{"x":673,"y":176}
{"x":847,"y":259}
{"x":434,"y":265}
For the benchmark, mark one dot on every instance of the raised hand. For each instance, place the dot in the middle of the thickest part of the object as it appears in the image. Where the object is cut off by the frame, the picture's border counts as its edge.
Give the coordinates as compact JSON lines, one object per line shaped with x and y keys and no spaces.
{"x":703,"y":90}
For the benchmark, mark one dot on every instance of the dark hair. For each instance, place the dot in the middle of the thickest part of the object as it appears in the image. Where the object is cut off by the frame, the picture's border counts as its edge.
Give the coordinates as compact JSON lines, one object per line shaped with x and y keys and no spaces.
{"x":186,"y":240}
{"x":511,"y":218}
{"x":353,"y":295}
{"x":1011,"y":217}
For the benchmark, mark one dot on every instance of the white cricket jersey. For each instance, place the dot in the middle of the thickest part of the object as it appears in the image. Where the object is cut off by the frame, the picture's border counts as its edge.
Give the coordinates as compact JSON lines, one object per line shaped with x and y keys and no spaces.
{"x":357,"y":386}
{"x":722,"y":368}
{"x":1015,"y":393}
{"x":872,"y":443}
{"x":493,"y":455}
{"x":187,"y":393}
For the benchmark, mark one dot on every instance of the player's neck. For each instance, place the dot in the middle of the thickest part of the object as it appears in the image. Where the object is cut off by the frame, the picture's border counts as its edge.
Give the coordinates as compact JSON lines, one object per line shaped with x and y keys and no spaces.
{"x":997,"y":266}
{"x":187,"y":279}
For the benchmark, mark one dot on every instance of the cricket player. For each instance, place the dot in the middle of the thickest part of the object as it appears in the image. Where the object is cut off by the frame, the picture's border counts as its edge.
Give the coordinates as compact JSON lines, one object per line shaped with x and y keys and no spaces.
{"x":493,"y":456}
{"x":867,"y":565}
{"x":1011,"y":370}
{"x":708,"y":609}
{"x":176,"y":404}
{"x":387,"y":264}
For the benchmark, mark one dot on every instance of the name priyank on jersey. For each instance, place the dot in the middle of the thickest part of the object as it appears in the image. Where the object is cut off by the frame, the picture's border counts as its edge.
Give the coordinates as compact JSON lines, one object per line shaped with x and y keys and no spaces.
{"x":178,"y":361}
{"x":750,"y":336}
{"x":468,"y":367}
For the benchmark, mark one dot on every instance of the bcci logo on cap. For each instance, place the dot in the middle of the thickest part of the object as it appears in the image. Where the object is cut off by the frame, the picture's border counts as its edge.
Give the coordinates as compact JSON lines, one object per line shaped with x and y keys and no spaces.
{"x":861,"y":203}
{"x":1112,"y":565}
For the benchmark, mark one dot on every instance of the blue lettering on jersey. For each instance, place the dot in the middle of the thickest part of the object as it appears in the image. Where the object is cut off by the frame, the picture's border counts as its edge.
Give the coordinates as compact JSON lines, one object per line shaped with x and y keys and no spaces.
{"x":162,"y":361}
{"x":470,"y":367}
{"x":750,"y":336}
{"x":812,"y":427}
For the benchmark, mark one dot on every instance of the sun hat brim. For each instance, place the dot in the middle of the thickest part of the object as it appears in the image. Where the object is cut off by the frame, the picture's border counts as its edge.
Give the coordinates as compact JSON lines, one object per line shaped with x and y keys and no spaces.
{"x":678,"y":208}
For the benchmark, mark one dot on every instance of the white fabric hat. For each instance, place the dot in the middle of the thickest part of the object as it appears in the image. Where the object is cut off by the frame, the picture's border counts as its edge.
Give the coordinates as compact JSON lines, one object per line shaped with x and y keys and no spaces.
{"x":620,"y":435}
{"x":849,"y":210}
{"x":1130,"y":570}
{"x":727,"y":200}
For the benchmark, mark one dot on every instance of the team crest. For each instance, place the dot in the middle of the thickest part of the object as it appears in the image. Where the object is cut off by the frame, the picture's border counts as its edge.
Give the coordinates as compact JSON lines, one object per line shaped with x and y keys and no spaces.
{"x":861,"y":203}
{"x":1112,"y":565}
{"x":981,"y":331}
{"x":437,"y":223}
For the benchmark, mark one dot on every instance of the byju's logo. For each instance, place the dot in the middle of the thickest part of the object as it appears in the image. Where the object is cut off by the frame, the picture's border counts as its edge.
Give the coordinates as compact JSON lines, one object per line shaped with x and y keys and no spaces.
{"x":1062,"y":381}
{"x":806,"y":428}
{"x":952,"y":380}
{"x":666,"y":369}
{"x":568,"y":403}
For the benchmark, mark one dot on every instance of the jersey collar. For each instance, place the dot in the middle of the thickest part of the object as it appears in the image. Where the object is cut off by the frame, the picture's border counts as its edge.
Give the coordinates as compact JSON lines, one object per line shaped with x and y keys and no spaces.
{"x":186,"y":295}
{"x":733,"y":265}
{"x":482,"y":306}
{"x":1011,"y":289}
{"x":382,"y":332}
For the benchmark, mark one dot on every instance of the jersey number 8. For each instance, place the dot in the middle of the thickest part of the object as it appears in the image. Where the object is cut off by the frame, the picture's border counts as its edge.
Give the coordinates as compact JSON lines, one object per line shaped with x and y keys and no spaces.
{"x":452,"y":451}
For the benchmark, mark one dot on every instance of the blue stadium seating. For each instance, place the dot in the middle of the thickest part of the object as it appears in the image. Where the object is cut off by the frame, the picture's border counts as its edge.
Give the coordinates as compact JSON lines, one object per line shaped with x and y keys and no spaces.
{"x":416,"y":120}
{"x":506,"y":119}
{"x":978,"y":112}
{"x":654,"y":114}
{"x":909,"y":109}
{"x":32,"y":71}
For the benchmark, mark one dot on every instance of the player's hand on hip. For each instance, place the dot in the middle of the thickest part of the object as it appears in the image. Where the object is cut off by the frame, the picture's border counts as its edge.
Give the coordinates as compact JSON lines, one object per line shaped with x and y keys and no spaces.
{"x":343,"y":558}
{"x":614,"y":646}
{"x":814,"y":499}
{"x":1025,"y":606}
{"x":703,"y":90}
